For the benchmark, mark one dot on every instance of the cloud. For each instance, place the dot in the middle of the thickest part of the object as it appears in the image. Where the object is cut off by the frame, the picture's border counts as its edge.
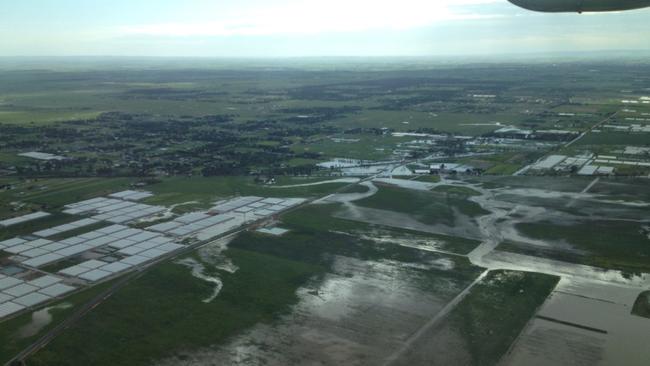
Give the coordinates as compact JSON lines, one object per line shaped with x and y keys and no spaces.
{"x":316,"y":16}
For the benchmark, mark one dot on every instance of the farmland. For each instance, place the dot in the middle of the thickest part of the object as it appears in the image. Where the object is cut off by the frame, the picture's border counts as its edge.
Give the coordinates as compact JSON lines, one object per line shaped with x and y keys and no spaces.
{"x":280,"y":265}
{"x":596,"y":238}
{"x":363,"y":213}
{"x":215,"y":120}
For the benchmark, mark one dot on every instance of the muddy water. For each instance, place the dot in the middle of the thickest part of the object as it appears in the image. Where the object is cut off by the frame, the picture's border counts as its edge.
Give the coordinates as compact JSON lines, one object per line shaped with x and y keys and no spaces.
{"x":40,"y":319}
{"x":585,"y":323}
{"x":464,"y":227}
{"x":358,"y":314}
{"x":422,"y":243}
{"x":363,"y":311}
{"x":494,"y":228}
{"x":499,"y":225}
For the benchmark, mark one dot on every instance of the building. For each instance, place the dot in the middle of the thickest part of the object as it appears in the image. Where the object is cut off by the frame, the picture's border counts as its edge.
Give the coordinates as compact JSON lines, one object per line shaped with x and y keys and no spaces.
{"x":453,"y":168}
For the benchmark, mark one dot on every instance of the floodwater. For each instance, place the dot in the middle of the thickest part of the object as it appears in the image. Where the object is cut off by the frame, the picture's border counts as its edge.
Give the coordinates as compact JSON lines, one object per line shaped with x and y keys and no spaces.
{"x":585,"y":323}
{"x":492,"y":229}
{"x":405,"y":240}
{"x":211,"y":254}
{"x":167,"y":214}
{"x":359,"y":314}
{"x":364,"y":311}
{"x":464,"y":226}
{"x":410,"y":184}
{"x":198,"y":271}
{"x":587,"y":320}
{"x":518,"y":262}
{"x":40,"y":319}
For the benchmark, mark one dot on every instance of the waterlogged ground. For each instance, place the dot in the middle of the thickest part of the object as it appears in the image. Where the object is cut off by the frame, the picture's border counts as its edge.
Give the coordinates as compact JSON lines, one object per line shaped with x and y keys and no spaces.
{"x":212,"y":256}
{"x":358,"y":314}
{"x":585,"y":323}
{"x":378,"y":312}
{"x":40,"y":319}
{"x":438,"y":243}
{"x":449,"y":273}
{"x":571,"y":224}
{"x":480,"y":327}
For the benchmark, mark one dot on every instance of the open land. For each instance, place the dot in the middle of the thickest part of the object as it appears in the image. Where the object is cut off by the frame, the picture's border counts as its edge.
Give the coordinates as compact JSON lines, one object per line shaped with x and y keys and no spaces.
{"x":375,"y":214}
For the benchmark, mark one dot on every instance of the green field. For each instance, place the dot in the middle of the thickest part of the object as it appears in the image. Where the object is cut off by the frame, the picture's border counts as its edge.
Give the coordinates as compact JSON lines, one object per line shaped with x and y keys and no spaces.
{"x":196,"y":131}
{"x":483,"y":326}
{"x":609,"y":244}
{"x":497,"y":309}
{"x":616,"y":138}
{"x":357,"y":188}
{"x":51,"y":195}
{"x":319,"y":218}
{"x":270,"y":271}
{"x":627,"y":189}
{"x":13,"y":342}
{"x":427,"y":207}
{"x":505,"y":163}
{"x":561,"y":184}
{"x":222,"y":118}
{"x":207,"y":190}
{"x":162,"y":312}
{"x":456,"y":191}
{"x":428,"y":178}
{"x":56,"y":192}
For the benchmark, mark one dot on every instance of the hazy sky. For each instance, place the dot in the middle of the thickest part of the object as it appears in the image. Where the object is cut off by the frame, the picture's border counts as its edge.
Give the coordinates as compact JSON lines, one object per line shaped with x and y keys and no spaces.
{"x":278,"y":28}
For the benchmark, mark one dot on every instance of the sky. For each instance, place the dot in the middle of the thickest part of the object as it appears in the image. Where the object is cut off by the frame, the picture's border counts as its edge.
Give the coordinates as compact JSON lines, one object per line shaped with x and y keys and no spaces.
{"x":307,"y":28}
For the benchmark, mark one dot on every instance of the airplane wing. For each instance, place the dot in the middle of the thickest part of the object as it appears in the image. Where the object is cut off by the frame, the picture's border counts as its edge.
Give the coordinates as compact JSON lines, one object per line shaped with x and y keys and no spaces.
{"x":579,"y":6}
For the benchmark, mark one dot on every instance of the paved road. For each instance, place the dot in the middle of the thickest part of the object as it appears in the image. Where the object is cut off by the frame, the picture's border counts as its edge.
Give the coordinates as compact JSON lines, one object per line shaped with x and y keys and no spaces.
{"x":609,"y":118}
{"x":591,"y":185}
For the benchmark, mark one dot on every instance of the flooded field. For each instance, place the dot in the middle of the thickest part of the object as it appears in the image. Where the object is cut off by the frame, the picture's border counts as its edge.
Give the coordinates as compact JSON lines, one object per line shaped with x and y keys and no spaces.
{"x":480,"y":327}
{"x":40,"y":319}
{"x":585,"y":323}
{"x":378,"y":312}
{"x":465,"y":228}
{"x":446,"y":273}
{"x":419,"y":240}
{"x":211,"y":255}
{"x":358,"y":314}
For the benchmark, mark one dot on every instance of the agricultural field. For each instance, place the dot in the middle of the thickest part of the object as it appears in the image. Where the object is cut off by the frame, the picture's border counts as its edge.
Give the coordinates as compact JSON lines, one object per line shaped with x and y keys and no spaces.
{"x":427,"y":284}
{"x":295,"y":268}
{"x":19,"y":332}
{"x":356,"y":213}
{"x":485,"y":323}
{"x":441,"y":205}
{"x":595,"y":238}
{"x":216,"y":120}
